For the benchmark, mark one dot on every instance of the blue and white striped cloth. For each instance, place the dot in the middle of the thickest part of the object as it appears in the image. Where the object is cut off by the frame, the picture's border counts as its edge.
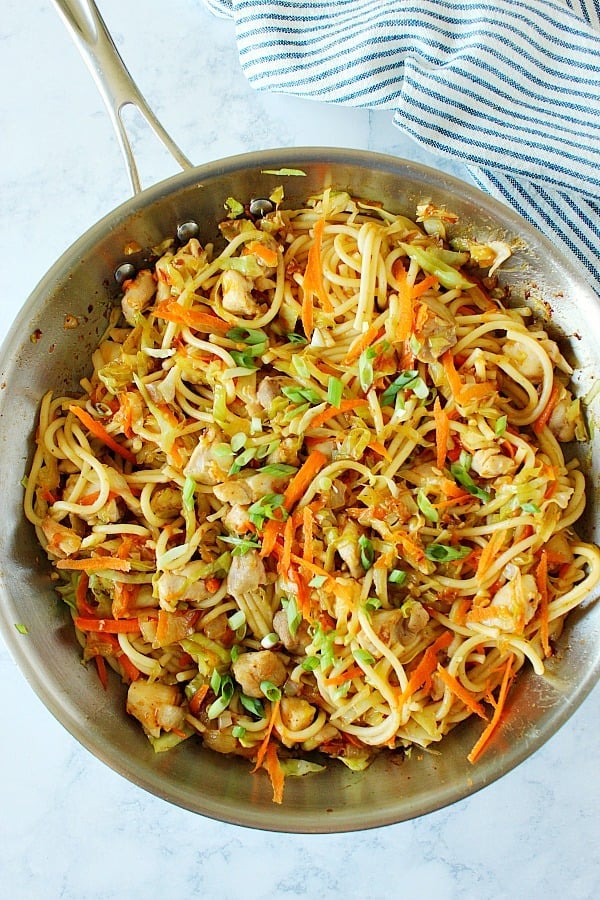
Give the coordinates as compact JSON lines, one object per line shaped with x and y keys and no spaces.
{"x":510,"y":88}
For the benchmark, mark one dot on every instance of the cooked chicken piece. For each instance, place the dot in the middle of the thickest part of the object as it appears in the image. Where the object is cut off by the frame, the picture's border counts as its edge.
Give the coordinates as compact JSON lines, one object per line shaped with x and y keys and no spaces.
{"x":295,"y":643}
{"x":251,"y":669}
{"x":155,"y":705}
{"x":490,"y":462}
{"x":269,"y":389}
{"x":137,"y":295}
{"x":513,"y":606}
{"x":418,"y":618}
{"x":233,"y":492}
{"x":204,"y":465}
{"x":529,"y":364}
{"x":564,"y":418}
{"x":296,"y":713}
{"x":62,"y":541}
{"x":348,"y":549}
{"x":236,"y":519}
{"x":237,"y":294}
{"x":262,"y":484}
{"x":178,"y":586}
{"x":246,"y":574}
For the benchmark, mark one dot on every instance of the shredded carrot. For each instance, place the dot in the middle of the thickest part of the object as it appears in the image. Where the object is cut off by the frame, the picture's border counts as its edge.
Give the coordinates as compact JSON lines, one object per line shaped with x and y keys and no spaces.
{"x":442,"y":433}
{"x":212,"y":584}
{"x":124,"y":598}
{"x":428,"y":282}
{"x":541,"y":577}
{"x":460,"y":691}
{"x":454,"y":379}
{"x":313,"y":274}
{"x":110,"y":626}
{"x":454,"y":501}
{"x":405,"y":305}
{"x":544,"y":417}
{"x":90,"y":499}
{"x":303,"y":478}
{"x":267,"y":255}
{"x":99,"y":431}
{"x":127,"y":413}
{"x":95,"y":564}
{"x":490,"y":551}
{"x":265,"y":741}
{"x":286,"y":555}
{"x":308,"y":528}
{"x":81,"y":601}
{"x":302,"y":592}
{"x":331,"y":412}
{"x":423,"y":671}
{"x":275,"y":772}
{"x":130,"y":671}
{"x":380,"y":450}
{"x":347,"y":675}
{"x":196,"y":701}
{"x":271,"y":532}
{"x":365,"y":340}
{"x":101,"y":667}
{"x":493,"y":723}
{"x":312,"y":567}
{"x":173,"y":311}
{"x":476,"y":391}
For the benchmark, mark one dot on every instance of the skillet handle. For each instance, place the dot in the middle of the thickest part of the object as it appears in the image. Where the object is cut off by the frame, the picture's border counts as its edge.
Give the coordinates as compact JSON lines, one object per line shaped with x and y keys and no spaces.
{"x":117,"y":87}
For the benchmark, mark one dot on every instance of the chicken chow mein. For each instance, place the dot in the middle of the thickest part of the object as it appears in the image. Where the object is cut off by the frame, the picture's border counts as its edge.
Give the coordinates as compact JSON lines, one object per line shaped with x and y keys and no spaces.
{"x":312,"y":495}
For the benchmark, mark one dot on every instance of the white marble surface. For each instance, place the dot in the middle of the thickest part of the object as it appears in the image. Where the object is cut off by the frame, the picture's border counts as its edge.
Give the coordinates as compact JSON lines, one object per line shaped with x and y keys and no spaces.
{"x":71,"y":828}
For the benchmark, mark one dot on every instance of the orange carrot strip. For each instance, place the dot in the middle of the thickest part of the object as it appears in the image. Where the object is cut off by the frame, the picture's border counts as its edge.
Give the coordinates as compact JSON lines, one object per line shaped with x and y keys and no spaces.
{"x":101,"y":667}
{"x":313,"y":274}
{"x":454,"y":379}
{"x":442,"y":432}
{"x":271,"y":532}
{"x":365,"y":340}
{"x":173,"y":311}
{"x":196,"y":701}
{"x":476,"y":391}
{"x":265,"y":741}
{"x":81,"y":601}
{"x":493,"y":723}
{"x":308,"y":527}
{"x":460,"y":691}
{"x":544,"y":416}
{"x":380,"y":450}
{"x":266,"y":254}
{"x":110,"y":626}
{"x":424,"y":285}
{"x":331,"y":412}
{"x":130,"y":671}
{"x":454,"y":501}
{"x":127,"y":413}
{"x":288,"y":537}
{"x":490,"y":551}
{"x":99,"y":431}
{"x":95,"y":564}
{"x":303,"y":477}
{"x":541,"y":577}
{"x":212,"y":584}
{"x":275,"y":772}
{"x":405,"y":305}
{"x":422,"y":673}
{"x":312,"y":567}
{"x":347,"y":675}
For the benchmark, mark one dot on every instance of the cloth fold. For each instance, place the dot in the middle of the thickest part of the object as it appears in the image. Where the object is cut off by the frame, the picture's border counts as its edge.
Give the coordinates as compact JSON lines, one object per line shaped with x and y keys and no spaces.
{"x":511,"y":89}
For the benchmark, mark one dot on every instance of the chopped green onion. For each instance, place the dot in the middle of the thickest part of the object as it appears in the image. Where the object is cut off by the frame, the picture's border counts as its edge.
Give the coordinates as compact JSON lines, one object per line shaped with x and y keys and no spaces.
{"x":363,"y":656}
{"x":294,"y":338}
{"x":215,"y":681}
{"x":238,"y":441}
{"x":237,"y":620}
{"x":294,"y":616}
{"x":403,"y":381}
{"x":367,"y":552}
{"x":253,"y":705}
{"x":300,"y":366}
{"x":500,"y":426}
{"x":22,"y":629}
{"x":335,"y":390}
{"x":530,"y":507}
{"x":310,"y":663}
{"x":241,"y":545}
{"x":426,"y":507}
{"x":278,"y":469}
{"x":227,"y":689}
{"x":270,"y":690}
{"x":365,"y":368}
{"x":238,"y":731}
{"x":268,"y":507}
{"x":251,"y":336}
{"x":234,"y":653}
{"x":187,"y":494}
{"x":459,"y":472}
{"x":397,"y":576}
{"x":371,"y":603}
{"x":444,"y":553}
{"x":301,"y":394}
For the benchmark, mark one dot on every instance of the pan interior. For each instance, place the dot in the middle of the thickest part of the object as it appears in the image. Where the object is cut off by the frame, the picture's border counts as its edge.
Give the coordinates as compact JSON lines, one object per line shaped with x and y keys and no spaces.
{"x":44,"y":350}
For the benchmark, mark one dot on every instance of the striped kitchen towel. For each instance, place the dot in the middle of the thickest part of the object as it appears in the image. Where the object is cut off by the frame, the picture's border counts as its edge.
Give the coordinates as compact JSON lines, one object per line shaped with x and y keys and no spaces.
{"x":510,"y":88}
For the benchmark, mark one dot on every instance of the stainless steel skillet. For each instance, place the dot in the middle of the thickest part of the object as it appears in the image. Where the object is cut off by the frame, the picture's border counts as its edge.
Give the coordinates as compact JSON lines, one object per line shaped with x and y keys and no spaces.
{"x":82,"y":285}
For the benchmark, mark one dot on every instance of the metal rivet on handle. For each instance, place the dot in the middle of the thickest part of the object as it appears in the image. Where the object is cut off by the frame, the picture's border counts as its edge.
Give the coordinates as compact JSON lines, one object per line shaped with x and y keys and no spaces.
{"x":261,"y":206}
{"x":124,"y":272}
{"x":187,"y":230}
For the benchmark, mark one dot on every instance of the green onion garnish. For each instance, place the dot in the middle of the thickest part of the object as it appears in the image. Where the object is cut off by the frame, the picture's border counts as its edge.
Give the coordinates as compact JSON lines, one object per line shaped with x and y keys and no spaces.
{"x":270,"y":690}
{"x":367,"y":552}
